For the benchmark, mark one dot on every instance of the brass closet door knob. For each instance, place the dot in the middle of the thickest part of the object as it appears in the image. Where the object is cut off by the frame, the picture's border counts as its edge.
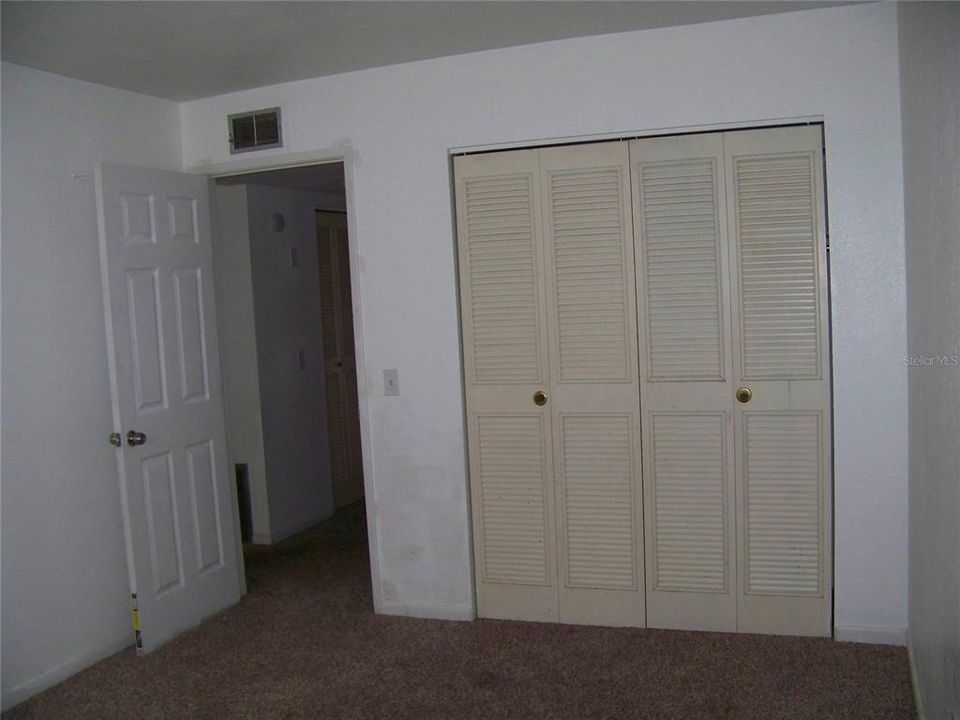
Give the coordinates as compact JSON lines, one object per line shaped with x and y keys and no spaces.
{"x":744,"y":394}
{"x":539,"y":398}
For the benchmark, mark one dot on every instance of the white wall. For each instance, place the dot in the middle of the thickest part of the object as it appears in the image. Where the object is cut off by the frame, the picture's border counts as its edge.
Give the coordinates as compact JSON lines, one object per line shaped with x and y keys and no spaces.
{"x":286,"y":303}
{"x":65,"y":593}
{"x":399,"y":123}
{"x":930,"y":97}
{"x":233,"y":277}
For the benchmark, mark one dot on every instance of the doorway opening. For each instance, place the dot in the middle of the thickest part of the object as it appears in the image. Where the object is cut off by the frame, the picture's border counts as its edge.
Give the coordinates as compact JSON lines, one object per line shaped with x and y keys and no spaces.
{"x":284,"y":303}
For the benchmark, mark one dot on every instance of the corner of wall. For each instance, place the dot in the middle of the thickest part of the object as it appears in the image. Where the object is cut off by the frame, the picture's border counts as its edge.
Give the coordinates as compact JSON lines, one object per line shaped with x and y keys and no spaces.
{"x":871,"y":635}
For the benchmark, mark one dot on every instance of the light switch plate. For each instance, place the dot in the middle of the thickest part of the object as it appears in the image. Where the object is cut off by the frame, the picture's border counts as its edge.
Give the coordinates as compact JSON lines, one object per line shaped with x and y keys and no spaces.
{"x":391,"y":382}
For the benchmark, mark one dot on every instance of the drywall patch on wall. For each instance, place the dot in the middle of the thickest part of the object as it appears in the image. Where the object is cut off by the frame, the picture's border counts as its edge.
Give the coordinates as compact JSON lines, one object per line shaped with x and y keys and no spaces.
{"x":838,"y":63}
{"x":62,"y":534}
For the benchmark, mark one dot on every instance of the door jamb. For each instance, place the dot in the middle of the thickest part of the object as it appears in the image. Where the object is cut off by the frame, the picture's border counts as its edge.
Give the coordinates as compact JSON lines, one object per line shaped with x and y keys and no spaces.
{"x":346,"y":155}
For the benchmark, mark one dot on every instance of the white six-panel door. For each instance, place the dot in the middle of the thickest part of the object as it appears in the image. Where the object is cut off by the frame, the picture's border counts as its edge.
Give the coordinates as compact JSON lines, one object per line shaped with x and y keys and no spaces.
{"x":726,"y":297}
{"x":177,"y":495}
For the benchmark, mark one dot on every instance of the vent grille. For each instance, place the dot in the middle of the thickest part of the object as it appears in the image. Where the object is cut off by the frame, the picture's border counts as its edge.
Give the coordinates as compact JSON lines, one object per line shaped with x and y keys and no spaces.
{"x":255,"y":130}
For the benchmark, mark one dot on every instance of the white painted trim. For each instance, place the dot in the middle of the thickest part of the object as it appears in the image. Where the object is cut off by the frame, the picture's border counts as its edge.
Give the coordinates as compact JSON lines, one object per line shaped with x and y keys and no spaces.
{"x":917,"y":699}
{"x":428,"y":612}
{"x":52,"y":676}
{"x":631,"y":134}
{"x":871,"y":635}
{"x":261,"y":539}
{"x":345,"y":154}
{"x":245,"y":165}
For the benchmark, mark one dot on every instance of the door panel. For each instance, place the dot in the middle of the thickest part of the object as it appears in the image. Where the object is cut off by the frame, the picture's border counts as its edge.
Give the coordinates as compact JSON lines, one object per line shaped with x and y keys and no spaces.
{"x":340,"y":365}
{"x":504,"y":348}
{"x":685,"y":389}
{"x":689,"y":503}
{"x":191,"y":343}
{"x":681,"y":268}
{"x":598,"y":473}
{"x":177,"y":497}
{"x":588,"y":251}
{"x":513,"y":506}
{"x":781,"y":490}
{"x":776,"y":223}
{"x":206,"y":511}
{"x":778,"y":252}
{"x":502,"y":261}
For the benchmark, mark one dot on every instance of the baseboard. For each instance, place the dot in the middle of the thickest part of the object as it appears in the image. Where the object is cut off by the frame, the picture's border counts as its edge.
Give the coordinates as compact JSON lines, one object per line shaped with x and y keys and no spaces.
{"x":284,"y":533}
{"x":261,"y":539}
{"x":48,"y":678}
{"x":871,"y":635}
{"x":917,"y":703}
{"x":428,"y":612}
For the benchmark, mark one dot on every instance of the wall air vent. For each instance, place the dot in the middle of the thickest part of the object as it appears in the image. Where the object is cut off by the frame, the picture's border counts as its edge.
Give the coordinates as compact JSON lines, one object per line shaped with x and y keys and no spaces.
{"x":255,"y":130}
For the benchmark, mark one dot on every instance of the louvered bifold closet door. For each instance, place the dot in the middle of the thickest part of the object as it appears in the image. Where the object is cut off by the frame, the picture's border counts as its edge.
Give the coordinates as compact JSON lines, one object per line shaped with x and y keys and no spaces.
{"x":686,"y":390}
{"x":502,"y":299}
{"x":594,"y":404}
{"x":780,"y":341}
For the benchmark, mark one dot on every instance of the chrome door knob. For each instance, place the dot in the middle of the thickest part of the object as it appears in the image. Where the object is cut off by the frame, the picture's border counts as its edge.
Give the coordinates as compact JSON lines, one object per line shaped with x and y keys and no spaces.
{"x":135,"y":438}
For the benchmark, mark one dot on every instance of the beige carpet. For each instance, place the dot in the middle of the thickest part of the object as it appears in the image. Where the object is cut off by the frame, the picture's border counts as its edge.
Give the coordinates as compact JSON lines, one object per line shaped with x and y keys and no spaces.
{"x":304,"y":643}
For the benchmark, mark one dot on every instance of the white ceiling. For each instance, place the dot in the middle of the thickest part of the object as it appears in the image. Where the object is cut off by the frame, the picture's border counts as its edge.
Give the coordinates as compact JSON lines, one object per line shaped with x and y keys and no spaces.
{"x":188,"y":50}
